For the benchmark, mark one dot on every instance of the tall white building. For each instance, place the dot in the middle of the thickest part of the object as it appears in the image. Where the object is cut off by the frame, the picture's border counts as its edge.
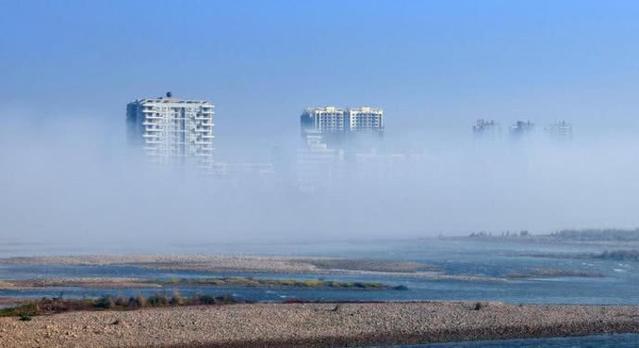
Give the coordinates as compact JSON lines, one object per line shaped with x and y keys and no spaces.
{"x":172,"y":129}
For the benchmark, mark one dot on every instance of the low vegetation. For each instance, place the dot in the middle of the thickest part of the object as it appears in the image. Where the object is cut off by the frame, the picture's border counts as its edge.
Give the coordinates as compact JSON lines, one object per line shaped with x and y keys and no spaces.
{"x":619,"y":255}
{"x":253,"y":282}
{"x":370,"y":265}
{"x":221,"y":282}
{"x":44,"y":306}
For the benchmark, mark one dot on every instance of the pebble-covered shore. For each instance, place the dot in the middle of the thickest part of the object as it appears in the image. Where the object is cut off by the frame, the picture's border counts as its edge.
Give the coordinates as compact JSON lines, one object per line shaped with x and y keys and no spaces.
{"x":317,"y":325}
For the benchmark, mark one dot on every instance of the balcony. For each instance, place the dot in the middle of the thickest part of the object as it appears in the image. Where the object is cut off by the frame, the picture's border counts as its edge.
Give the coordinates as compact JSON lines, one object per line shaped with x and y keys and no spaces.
{"x":153,"y":117}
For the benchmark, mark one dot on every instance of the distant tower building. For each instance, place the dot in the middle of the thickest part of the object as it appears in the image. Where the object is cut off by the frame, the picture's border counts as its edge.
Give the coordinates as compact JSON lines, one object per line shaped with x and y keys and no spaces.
{"x":560,"y":130}
{"x":173,"y":129}
{"x":486,"y":128}
{"x":521,"y":128}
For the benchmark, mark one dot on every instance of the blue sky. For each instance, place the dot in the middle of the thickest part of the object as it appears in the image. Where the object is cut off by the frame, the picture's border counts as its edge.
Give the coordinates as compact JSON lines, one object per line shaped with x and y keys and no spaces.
{"x":430,"y":64}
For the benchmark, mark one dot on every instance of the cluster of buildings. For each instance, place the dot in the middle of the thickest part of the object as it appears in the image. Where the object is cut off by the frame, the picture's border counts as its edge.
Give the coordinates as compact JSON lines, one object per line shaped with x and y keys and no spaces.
{"x":492,"y":129}
{"x":170,"y":130}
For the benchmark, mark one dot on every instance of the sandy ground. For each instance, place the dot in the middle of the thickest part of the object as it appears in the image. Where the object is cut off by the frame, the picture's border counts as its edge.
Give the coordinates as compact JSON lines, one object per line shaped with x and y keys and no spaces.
{"x":318,"y":325}
{"x":204,"y":263}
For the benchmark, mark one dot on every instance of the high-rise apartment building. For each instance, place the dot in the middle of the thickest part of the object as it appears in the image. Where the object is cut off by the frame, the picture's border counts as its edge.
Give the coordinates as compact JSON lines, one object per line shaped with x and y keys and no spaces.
{"x":332,"y":119}
{"x":173,"y":129}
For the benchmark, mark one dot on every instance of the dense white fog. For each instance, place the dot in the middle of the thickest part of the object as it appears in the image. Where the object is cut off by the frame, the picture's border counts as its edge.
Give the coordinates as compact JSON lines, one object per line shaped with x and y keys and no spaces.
{"x":74,"y":179}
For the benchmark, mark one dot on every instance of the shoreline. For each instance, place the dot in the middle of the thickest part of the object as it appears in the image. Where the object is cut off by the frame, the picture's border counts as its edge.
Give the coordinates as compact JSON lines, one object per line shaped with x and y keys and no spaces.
{"x":317,"y":324}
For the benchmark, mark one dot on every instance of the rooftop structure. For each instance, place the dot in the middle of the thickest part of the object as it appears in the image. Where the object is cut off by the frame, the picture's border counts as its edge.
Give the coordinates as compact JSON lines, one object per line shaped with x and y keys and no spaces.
{"x":173,"y":129}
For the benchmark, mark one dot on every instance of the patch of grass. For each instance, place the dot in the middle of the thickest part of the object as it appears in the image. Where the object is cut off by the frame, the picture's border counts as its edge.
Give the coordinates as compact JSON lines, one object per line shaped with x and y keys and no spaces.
{"x":58,"y":305}
{"x":158,"y":300}
{"x":308,"y":283}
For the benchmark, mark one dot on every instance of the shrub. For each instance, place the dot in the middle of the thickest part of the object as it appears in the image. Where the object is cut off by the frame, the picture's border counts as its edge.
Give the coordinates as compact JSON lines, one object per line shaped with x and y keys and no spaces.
{"x":137,"y":302}
{"x":105,"y":302}
{"x":176,"y":299}
{"x":121,"y":301}
{"x":158,"y":300}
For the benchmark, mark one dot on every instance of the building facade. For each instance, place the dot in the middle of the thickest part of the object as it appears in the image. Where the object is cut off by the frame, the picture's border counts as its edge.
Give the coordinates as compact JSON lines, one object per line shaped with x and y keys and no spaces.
{"x":365,"y":119}
{"x":171,"y":129}
{"x":331,"y":119}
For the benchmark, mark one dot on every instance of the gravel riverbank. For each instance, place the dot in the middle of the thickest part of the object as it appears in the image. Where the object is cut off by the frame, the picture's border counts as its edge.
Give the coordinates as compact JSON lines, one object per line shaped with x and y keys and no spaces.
{"x":317,"y":325}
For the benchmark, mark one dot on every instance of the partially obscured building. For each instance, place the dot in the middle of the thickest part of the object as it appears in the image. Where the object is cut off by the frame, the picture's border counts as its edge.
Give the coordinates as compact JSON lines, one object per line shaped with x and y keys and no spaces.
{"x":486,"y":128}
{"x":317,"y":164}
{"x":330,"y":134}
{"x":171,"y":129}
{"x":521,"y":128}
{"x":560,"y":130}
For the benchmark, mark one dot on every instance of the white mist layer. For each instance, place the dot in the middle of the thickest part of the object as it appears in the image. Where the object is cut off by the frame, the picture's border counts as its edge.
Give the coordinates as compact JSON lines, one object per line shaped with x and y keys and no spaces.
{"x":75,"y":180}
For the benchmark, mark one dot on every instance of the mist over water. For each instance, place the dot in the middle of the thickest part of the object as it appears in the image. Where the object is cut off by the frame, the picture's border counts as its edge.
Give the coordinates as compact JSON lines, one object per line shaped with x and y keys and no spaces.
{"x":74,"y":180}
